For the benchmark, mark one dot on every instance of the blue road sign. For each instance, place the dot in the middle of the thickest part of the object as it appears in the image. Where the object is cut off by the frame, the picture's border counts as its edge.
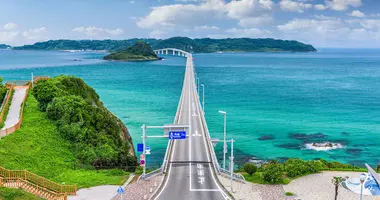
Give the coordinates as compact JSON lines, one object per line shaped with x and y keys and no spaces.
{"x":177,"y":135}
{"x":140,"y":147}
{"x":120,"y":190}
{"x":147,"y":148}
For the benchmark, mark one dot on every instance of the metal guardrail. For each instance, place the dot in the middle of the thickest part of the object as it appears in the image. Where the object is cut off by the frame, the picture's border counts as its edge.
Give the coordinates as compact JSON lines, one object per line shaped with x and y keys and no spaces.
{"x":4,"y":100}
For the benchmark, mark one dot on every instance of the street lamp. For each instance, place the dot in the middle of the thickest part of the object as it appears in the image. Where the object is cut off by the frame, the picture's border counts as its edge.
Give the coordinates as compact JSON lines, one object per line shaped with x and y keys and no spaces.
{"x":198,"y":85}
{"x":362,"y":179}
{"x":224,"y":145}
{"x":203,"y":97}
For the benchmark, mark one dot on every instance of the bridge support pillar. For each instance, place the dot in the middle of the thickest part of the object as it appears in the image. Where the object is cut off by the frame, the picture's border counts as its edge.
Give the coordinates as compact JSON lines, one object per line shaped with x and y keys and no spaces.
{"x":167,"y":51}
{"x":179,"y":53}
{"x":173,"y":53}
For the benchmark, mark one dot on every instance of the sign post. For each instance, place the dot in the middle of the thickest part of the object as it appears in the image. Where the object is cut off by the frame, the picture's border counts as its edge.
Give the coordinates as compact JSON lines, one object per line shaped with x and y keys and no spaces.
{"x":177,"y":135}
{"x":144,"y":149}
{"x":120,"y":191}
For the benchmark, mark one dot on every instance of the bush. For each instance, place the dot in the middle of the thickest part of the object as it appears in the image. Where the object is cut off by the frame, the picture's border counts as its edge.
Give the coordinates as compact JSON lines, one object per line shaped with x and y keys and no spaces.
{"x":288,"y":194}
{"x":250,"y":168}
{"x":286,"y":181}
{"x":272,"y":173}
{"x":298,"y":167}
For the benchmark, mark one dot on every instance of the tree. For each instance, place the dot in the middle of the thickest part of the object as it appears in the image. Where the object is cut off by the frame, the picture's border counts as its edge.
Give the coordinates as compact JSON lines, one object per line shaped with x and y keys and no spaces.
{"x":336,"y":180}
{"x":250,"y":168}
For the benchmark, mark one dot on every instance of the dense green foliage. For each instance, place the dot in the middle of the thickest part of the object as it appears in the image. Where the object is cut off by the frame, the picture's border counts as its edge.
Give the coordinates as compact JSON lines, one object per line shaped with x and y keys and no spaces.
{"x":250,"y":168}
{"x":39,"y":147}
{"x":15,"y":194}
{"x":3,"y":91}
{"x":203,"y":45}
{"x":139,"y":51}
{"x":274,"y":172}
{"x":99,"y":138}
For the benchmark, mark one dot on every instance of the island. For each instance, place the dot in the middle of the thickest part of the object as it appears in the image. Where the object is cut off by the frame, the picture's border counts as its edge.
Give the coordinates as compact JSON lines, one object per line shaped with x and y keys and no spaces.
{"x":4,"y":46}
{"x":198,"y":45}
{"x":140,"y":51}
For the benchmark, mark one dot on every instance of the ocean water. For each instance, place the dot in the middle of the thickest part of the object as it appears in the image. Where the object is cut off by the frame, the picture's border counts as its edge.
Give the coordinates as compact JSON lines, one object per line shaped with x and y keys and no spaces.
{"x":275,"y":102}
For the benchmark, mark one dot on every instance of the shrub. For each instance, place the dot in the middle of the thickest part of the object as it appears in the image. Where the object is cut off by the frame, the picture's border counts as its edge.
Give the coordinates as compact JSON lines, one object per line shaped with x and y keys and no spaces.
{"x":286,"y":181}
{"x":250,"y":168}
{"x":272,"y":173}
{"x":298,"y":167}
{"x":289,"y":194}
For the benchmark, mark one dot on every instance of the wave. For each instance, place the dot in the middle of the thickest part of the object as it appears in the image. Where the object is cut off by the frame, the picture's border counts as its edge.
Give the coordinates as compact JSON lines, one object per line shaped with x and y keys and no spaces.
{"x":323,"y":146}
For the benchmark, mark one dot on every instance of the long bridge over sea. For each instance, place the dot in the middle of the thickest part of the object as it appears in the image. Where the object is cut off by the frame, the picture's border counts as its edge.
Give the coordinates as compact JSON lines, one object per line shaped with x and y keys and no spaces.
{"x":190,"y":165}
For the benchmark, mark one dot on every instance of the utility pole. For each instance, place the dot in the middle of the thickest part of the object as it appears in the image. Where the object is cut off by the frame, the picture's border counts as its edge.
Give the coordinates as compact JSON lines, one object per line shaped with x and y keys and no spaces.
{"x":32,"y":79}
{"x":224,"y":138}
{"x":203,"y":97}
{"x":232,"y":162}
{"x":144,"y":148}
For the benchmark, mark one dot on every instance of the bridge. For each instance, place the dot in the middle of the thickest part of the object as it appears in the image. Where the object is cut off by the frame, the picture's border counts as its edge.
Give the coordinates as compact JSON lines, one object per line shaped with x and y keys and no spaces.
{"x":190,"y":166}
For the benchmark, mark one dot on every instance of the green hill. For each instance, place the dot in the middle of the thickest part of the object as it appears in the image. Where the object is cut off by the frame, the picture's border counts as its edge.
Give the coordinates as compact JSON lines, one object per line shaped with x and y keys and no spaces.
{"x":202,"y":45}
{"x":140,"y":51}
{"x":4,"y":46}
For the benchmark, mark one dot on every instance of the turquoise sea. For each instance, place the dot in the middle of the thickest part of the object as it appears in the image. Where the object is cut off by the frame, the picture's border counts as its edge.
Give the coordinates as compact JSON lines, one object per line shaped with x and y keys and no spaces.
{"x":275,"y":102}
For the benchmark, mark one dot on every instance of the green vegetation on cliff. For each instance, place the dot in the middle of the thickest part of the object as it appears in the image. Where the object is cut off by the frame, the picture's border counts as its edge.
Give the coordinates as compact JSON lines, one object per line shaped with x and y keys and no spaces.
{"x":138,"y":52}
{"x":203,"y":45}
{"x":40,"y":148}
{"x":99,"y":138}
{"x":3,"y":91}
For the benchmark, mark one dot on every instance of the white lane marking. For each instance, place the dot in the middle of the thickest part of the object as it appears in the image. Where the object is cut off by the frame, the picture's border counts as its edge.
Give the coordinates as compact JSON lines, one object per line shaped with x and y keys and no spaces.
{"x":225,"y":196}
{"x":189,"y":90}
{"x":174,"y":145}
{"x":204,"y":190}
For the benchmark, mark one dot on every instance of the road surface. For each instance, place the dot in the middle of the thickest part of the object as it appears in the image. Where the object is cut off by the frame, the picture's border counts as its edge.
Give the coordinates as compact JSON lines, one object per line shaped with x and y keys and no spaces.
{"x":190,"y":173}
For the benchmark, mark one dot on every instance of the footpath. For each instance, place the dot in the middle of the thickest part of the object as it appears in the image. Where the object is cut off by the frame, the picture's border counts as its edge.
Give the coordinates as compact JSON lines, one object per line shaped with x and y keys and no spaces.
{"x":14,"y":111}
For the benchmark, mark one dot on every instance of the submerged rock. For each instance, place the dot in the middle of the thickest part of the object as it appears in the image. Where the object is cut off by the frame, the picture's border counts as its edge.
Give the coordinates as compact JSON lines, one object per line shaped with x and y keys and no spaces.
{"x":266,"y":137}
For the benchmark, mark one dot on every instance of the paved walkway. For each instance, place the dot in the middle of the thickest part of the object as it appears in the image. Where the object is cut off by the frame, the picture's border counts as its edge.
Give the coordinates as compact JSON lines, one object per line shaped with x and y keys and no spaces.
{"x":103,"y":192}
{"x":319,"y":187}
{"x":14,"y":110}
{"x":141,"y":190}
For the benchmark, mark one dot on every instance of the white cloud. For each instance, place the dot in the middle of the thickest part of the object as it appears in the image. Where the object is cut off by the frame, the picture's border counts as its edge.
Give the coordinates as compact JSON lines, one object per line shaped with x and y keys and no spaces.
{"x":251,"y":32}
{"x":320,"y":7}
{"x":10,"y":26}
{"x":8,"y":36}
{"x":342,"y":4}
{"x":117,"y":31}
{"x":205,"y":27}
{"x":191,"y":15}
{"x":356,"y":13}
{"x":160,"y":34}
{"x":35,"y":34}
{"x":93,"y":31}
{"x":375,"y":15}
{"x":255,"y":21}
{"x":294,"y":6}
{"x":333,"y":32}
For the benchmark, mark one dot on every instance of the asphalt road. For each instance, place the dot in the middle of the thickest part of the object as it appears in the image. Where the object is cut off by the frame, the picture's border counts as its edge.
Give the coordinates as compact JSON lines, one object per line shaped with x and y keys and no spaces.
{"x":190,"y":173}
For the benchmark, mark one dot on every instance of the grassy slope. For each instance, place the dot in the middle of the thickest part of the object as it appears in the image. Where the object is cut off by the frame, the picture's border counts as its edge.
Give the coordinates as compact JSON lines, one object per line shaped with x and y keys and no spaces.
{"x":15,"y":194}
{"x":38,"y":147}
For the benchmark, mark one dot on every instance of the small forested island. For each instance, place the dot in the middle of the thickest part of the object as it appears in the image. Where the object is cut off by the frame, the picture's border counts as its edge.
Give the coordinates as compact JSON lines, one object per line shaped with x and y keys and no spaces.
{"x":4,"y":46}
{"x":140,"y":51}
{"x":199,"y":45}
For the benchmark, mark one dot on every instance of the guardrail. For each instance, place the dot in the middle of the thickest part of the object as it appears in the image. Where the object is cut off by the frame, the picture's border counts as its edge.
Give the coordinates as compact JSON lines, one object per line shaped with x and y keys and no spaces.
{"x":32,"y":188}
{"x":37,"y":180}
{"x":5,"y":103}
{"x":14,"y":128}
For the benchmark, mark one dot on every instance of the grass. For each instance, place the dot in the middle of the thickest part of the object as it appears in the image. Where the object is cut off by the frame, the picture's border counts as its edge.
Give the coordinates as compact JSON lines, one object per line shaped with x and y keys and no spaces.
{"x":15,"y":194}
{"x":38,"y":148}
{"x":255,"y":178}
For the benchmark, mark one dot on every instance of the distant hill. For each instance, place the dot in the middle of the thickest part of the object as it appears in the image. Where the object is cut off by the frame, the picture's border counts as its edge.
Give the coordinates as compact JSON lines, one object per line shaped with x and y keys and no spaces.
{"x":4,"y":46}
{"x":140,"y":51}
{"x":203,"y":45}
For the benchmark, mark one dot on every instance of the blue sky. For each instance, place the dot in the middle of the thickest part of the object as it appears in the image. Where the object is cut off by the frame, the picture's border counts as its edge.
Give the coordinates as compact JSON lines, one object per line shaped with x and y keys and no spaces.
{"x":322,"y":23}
